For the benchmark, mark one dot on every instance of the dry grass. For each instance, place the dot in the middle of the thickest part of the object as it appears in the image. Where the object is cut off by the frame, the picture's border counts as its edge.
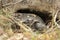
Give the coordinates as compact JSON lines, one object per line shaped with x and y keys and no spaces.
{"x":6,"y":19}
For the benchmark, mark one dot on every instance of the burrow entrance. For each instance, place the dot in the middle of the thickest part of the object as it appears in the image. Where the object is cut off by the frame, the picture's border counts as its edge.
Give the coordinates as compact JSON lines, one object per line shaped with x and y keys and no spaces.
{"x":44,"y":15}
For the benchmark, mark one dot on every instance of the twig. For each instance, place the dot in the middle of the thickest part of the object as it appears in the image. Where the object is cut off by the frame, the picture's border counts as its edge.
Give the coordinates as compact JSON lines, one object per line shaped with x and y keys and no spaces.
{"x":11,"y":3}
{"x":23,"y":26}
{"x":53,"y":22}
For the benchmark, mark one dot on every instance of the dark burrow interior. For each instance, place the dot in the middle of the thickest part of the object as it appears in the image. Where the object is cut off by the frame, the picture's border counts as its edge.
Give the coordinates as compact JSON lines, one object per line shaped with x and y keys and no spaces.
{"x":44,"y":15}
